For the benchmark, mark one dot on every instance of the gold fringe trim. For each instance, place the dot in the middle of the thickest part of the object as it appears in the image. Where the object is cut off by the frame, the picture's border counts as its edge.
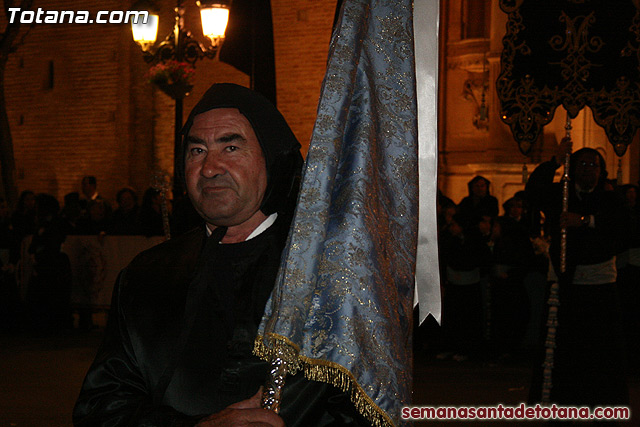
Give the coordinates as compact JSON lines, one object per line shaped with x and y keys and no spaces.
{"x":323,"y":371}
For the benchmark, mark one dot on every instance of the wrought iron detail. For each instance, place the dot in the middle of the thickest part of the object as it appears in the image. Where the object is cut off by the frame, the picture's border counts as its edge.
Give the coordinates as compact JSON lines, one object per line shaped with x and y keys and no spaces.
{"x":475,"y":90}
{"x":180,"y":45}
{"x":187,"y":49}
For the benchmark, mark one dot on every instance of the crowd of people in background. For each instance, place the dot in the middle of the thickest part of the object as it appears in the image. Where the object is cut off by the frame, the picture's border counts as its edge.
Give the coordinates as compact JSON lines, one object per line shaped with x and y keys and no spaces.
{"x":42,"y":224}
{"x":493,"y":266}
{"x":492,"y":271}
{"x":494,"y":276}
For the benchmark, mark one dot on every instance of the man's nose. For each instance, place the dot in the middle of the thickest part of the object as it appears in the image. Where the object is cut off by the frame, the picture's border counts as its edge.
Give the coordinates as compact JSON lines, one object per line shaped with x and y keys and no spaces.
{"x":212,"y":166}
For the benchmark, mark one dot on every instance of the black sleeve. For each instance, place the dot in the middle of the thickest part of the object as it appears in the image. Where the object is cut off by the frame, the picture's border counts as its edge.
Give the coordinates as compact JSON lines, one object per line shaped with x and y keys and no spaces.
{"x":307,"y":403}
{"x":114,"y":392}
{"x":540,"y":182}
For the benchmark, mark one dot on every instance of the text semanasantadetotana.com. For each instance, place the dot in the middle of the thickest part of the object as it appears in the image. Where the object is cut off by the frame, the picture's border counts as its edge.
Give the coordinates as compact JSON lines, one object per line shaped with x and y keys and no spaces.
{"x":521,"y":412}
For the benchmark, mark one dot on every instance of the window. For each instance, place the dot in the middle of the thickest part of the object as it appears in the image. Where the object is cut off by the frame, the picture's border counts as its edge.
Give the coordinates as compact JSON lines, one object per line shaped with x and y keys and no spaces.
{"x":475,"y":19}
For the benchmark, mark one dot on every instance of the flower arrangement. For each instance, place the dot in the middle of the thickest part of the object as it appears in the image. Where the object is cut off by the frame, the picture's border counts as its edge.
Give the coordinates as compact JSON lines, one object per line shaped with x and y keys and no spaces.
{"x":172,"y":72}
{"x":173,"y":78}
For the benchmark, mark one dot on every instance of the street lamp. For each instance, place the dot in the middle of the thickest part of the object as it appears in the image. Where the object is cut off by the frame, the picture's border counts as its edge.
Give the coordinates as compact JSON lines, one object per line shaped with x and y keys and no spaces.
{"x":180,"y":47}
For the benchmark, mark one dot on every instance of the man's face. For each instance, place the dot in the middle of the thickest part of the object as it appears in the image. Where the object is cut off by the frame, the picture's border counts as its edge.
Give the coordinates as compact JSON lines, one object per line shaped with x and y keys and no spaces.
{"x":87,"y":188}
{"x":587,"y":172}
{"x":479,"y":188}
{"x":30,"y":202}
{"x":225,"y":168}
{"x":126,"y":201}
{"x":515,"y":209}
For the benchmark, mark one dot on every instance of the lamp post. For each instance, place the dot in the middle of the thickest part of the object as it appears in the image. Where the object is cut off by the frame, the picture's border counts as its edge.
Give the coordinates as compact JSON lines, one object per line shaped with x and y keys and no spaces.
{"x":180,"y":47}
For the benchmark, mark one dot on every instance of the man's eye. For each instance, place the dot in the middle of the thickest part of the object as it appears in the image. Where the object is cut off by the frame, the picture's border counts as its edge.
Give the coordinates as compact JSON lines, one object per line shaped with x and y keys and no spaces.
{"x":194,"y":151}
{"x":231,"y":148}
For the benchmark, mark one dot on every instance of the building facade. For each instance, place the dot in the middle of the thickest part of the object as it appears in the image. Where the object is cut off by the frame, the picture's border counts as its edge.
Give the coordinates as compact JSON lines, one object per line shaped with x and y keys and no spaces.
{"x":79,"y":102}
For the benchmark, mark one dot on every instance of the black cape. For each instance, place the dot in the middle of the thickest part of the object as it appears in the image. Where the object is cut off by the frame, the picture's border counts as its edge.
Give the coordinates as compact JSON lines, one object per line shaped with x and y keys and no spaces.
{"x":178,"y":345}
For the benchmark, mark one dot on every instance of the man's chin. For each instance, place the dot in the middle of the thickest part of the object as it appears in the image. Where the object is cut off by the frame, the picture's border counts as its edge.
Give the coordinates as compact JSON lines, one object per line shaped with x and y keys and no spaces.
{"x":216,"y":217}
{"x":221,"y":217}
{"x":226,"y":219}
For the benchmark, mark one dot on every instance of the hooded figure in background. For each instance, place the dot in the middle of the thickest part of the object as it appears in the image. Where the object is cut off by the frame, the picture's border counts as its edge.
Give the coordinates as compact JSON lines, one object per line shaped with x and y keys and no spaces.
{"x":479,"y":202}
{"x":184,"y":315}
{"x":589,"y":361}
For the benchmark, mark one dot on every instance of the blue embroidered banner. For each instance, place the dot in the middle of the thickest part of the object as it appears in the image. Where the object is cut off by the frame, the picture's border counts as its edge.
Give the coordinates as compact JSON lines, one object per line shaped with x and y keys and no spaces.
{"x":342,"y":305}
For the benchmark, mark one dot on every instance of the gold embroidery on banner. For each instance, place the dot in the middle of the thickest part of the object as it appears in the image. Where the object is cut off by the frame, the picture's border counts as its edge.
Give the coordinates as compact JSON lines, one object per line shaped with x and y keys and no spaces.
{"x":576,"y":42}
{"x":345,"y":285}
{"x":526,"y":105}
{"x":323,"y":371}
{"x":612,"y":112}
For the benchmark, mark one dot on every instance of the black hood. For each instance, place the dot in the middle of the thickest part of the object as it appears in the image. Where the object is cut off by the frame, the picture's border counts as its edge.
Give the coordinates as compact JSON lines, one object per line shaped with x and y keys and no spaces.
{"x":603,"y":165}
{"x":478,"y":178}
{"x":279,"y":145}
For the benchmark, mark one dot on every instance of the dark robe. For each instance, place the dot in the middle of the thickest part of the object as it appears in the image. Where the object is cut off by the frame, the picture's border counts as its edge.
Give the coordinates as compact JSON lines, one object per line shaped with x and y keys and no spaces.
{"x":514,"y":258}
{"x":462,"y":313}
{"x":589,"y":365}
{"x":179,"y":342}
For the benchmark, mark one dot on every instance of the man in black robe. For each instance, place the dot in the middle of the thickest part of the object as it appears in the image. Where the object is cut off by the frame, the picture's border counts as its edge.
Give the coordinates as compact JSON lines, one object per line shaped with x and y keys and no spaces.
{"x":184,"y":316}
{"x":589,"y":358}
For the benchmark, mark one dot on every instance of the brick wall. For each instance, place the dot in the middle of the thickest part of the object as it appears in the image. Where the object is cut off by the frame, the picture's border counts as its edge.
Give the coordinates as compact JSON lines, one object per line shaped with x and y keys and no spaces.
{"x":64,"y":96}
{"x":97,"y":114}
{"x":302,"y":31}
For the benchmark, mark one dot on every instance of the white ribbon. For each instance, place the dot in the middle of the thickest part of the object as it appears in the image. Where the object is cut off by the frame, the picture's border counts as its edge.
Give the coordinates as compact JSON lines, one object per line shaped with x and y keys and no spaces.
{"x":426,"y":15}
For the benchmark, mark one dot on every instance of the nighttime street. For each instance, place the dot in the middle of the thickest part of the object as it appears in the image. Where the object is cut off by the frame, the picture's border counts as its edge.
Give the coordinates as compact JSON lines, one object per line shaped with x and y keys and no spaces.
{"x":300,"y":180}
{"x":42,"y":376}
